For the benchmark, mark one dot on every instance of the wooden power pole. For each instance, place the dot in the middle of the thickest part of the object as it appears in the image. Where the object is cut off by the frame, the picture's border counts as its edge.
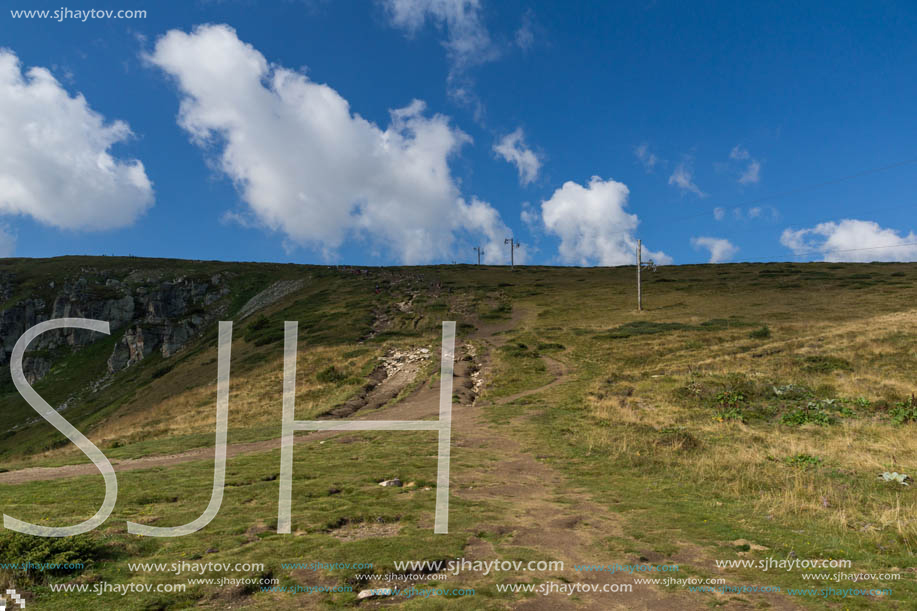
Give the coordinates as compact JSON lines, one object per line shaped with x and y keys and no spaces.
{"x":639,"y":267}
{"x":513,"y":245}
{"x":651,"y":264}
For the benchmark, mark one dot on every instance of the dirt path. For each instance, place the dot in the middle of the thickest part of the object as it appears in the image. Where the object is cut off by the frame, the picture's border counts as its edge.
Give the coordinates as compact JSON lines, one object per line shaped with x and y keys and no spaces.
{"x":425,"y":397}
{"x":546,"y":512}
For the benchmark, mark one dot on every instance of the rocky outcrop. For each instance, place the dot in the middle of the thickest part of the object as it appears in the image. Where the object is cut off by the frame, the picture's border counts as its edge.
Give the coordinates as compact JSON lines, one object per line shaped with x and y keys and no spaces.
{"x":132,"y":348}
{"x":158,"y":314}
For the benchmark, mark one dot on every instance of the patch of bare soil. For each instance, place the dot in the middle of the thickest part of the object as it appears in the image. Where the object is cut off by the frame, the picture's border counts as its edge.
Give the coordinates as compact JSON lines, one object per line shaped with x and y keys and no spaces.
{"x":397,"y":371}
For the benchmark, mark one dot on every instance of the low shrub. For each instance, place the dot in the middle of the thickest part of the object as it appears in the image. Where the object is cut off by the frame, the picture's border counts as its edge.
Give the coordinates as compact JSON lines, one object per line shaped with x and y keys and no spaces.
{"x":46,"y":552}
{"x":813,"y":412}
{"x":518,"y":350}
{"x":330,"y":374}
{"x":904,"y":411}
{"x":793,"y":392}
{"x":733,"y":413}
{"x":825,"y":364}
{"x":677,"y":438}
{"x":803,"y":461}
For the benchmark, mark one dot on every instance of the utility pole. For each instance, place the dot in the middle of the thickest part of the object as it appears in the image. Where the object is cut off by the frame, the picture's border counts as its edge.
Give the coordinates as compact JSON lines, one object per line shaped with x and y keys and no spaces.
{"x":651,"y":264}
{"x":639,"y":266}
{"x":513,"y":245}
{"x":480,"y":252}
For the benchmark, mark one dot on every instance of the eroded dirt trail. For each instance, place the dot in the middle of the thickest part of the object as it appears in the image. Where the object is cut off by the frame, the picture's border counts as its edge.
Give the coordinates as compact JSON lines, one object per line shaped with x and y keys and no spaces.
{"x":545,"y":511}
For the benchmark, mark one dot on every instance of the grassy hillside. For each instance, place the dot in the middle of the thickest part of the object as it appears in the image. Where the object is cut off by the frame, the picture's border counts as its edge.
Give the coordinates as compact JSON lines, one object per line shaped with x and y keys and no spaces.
{"x":744,"y":414}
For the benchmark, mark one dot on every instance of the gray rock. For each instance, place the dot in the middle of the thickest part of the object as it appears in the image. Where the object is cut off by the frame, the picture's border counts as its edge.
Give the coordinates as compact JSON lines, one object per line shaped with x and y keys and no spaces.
{"x":176,"y":337}
{"x":135,"y":345}
{"x":35,"y":368}
{"x":119,"y":312}
{"x":391,"y":482}
{"x":160,"y":314}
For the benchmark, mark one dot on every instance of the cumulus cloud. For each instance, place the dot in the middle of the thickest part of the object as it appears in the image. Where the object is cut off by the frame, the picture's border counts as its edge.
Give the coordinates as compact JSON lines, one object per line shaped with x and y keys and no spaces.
{"x":307,"y":166}
{"x":592,"y":224}
{"x":55,"y":160}
{"x":738,"y":153}
{"x":481,"y":219}
{"x":719,"y":213}
{"x":720,"y":249}
{"x":852,"y":240}
{"x":513,"y":149}
{"x":648,"y":159}
{"x":683,"y":178}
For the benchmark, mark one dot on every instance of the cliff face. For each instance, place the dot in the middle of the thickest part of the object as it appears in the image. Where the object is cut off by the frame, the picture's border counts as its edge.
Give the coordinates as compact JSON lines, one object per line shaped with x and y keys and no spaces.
{"x":158,"y":312}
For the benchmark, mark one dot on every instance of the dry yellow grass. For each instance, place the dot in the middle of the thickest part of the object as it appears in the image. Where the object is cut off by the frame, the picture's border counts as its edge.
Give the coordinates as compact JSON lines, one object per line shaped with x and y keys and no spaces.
{"x":748,"y":460}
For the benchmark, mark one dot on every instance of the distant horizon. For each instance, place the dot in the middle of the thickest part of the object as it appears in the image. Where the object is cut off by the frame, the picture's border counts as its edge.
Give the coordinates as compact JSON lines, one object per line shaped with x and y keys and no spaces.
{"x":456,"y":264}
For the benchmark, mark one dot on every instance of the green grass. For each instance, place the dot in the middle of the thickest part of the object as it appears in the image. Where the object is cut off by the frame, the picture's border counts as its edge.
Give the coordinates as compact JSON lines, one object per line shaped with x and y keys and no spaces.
{"x":331,"y":492}
{"x":740,"y":404}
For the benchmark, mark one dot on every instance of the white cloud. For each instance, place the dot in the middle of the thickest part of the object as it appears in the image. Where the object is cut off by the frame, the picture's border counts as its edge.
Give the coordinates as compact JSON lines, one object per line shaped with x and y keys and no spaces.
{"x":719,"y":213}
{"x":751,"y":174}
{"x":55,"y":164}
{"x":720,"y":249}
{"x":467,"y":43}
{"x":513,"y":149}
{"x":648,"y":159}
{"x":852,"y":240}
{"x":763,"y":213}
{"x":530,"y":217}
{"x":592,"y":224}
{"x":482,"y":219}
{"x":467,"y":39}
{"x":309,"y":167}
{"x":683,"y":178}
{"x":525,"y":36}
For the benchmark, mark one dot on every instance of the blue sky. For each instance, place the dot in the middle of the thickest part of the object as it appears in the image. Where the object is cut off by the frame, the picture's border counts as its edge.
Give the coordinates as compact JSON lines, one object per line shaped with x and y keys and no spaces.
{"x":409,"y":131}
